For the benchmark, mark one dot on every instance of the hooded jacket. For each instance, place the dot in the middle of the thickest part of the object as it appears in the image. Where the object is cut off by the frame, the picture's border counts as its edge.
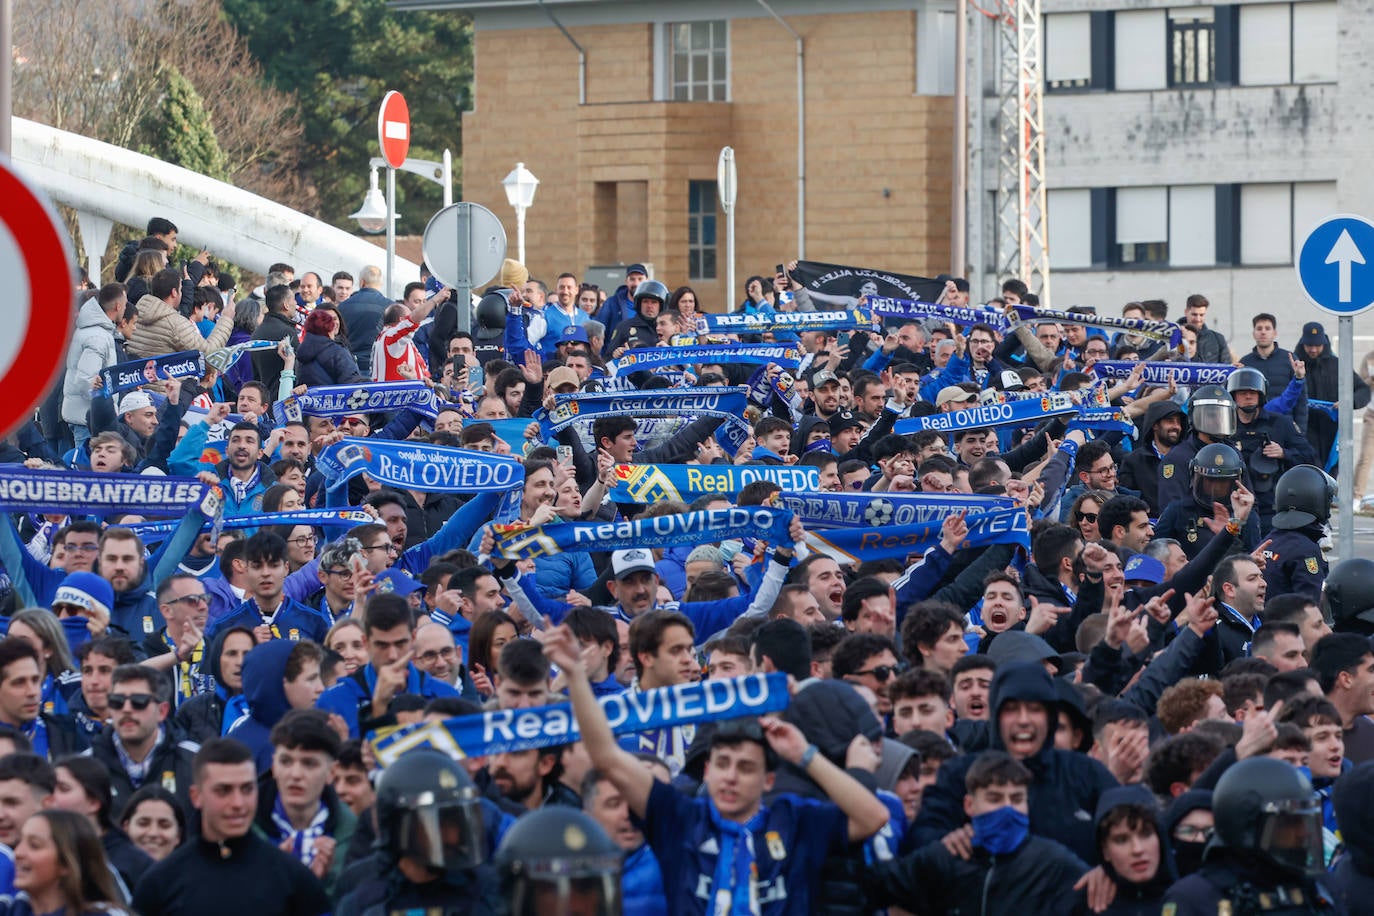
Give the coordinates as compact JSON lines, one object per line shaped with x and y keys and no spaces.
{"x":1065,"y":788}
{"x":162,"y":329}
{"x":1140,"y":469}
{"x":321,"y":360}
{"x":204,"y":715}
{"x":92,"y":349}
{"x":1132,"y":898}
{"x":264,"y":671}
{"x":1352,"y":878}
{"x":1324,"y":376}
{"x":1186,"y":857}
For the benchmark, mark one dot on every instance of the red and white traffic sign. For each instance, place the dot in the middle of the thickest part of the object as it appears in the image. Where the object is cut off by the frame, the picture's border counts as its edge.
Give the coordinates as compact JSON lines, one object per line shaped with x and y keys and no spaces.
{"x":393,"y":128}
{"x":35,"y":306}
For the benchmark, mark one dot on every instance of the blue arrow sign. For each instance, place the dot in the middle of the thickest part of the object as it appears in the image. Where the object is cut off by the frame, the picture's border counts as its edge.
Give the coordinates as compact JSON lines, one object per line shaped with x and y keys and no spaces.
{"x":1336,"y":265}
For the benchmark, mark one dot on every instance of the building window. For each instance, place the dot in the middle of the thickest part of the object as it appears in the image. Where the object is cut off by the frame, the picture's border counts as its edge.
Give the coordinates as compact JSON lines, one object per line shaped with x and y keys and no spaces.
{"x":701,"y":230}
{"x":1142,"y":227}
{"x":1068,"y":51}
{"x":697,"y":56}
{"x":1192,"y":61}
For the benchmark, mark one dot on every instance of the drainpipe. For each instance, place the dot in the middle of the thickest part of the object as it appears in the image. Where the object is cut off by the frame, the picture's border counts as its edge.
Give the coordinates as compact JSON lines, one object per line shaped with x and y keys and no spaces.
{"x":581,"y":54}
{"x":801,"y":129}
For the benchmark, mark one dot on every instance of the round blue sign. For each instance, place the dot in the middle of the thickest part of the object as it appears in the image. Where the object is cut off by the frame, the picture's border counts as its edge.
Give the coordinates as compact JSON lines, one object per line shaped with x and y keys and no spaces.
{"x":1336,"y":265}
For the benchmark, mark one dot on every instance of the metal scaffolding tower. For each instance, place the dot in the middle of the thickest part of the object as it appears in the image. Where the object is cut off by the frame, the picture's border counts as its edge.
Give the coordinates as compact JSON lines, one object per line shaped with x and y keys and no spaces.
{"x":1022,"y":242}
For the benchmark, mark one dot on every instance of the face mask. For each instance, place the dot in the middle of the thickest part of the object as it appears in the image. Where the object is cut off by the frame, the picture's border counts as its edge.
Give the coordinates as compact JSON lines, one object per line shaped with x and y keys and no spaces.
{"x":1187,"y":857}
{"x":1000,"y":831}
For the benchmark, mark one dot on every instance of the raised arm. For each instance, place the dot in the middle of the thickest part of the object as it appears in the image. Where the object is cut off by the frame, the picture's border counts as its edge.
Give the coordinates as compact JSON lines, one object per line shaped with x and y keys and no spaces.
{"x":866,"y":814}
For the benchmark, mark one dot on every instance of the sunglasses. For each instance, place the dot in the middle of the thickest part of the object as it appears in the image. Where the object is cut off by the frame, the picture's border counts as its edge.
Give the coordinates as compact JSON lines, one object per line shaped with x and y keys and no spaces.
{"x":1088,"y":517}
{"x":139,"y":701}
{"x":883,"y":672}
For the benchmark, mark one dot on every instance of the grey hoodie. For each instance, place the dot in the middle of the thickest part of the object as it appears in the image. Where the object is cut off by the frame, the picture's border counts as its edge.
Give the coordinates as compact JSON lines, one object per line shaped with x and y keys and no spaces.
{"x":92,"y":349}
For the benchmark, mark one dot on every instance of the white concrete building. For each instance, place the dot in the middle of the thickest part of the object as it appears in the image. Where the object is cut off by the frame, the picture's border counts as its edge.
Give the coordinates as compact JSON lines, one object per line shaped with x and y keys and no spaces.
{"x":1191,"y":147}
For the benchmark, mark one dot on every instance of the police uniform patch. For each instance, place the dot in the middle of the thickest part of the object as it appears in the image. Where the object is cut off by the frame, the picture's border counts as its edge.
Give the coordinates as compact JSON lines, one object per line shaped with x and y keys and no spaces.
{"x":1168,"y":471}
{"x":1312,"y":565}
{"x":776,"y":849}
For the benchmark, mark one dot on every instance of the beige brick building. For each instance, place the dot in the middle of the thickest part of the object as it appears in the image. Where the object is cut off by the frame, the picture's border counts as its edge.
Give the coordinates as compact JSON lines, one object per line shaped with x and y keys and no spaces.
{"x":626,"y":149}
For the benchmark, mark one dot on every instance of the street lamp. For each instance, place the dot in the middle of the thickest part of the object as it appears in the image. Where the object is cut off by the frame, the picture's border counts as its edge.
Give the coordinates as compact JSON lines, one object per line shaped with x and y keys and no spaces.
{"x":371,"y":216}
{"x":520,"y":186}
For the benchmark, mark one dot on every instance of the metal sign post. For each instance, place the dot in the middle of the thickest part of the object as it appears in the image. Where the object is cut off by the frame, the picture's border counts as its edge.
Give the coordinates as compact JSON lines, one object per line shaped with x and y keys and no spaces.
{"x":1336,"y":270}
{"x":727,"y":183}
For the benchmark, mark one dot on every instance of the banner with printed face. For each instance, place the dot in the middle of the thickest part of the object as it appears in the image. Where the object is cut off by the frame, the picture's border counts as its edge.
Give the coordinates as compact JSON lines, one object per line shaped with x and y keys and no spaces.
{"x":123,"y":377}
{"x":840,"y":285}
{"x":514,"y":730}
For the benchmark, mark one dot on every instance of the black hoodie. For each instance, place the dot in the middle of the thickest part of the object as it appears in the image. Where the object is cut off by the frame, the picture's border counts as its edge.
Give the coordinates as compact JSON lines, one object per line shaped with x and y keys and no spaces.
{"x":1065,"y":788}
{"x":1133,"y":898}
{"x":1353,"y":877}
{"x":202,"y":716}
{"x":1187,"y":856}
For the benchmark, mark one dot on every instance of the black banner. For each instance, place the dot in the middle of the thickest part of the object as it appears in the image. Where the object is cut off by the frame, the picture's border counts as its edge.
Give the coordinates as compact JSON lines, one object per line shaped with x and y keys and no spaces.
{"x":836,"y":285}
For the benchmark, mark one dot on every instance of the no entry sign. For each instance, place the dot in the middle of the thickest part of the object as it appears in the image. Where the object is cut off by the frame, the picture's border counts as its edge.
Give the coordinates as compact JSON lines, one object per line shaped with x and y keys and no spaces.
{"x":35,"y":298}
{"x":393,"y":129}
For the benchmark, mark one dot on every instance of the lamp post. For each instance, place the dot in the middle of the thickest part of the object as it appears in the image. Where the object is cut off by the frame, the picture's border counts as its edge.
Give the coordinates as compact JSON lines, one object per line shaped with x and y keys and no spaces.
{"x":520,"y":186}
{"x":371,"y":216}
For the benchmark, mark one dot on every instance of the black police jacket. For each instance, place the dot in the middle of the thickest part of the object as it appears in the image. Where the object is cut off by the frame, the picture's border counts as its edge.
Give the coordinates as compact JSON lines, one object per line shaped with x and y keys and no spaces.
{"x":477,"y":893}
{"x":1293,"y":562}
{"x":1250,"y":441}
{"x":1250,"y":891}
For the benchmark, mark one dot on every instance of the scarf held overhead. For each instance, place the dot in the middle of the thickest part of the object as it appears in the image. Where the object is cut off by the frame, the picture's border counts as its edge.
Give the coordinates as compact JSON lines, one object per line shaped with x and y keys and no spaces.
{"x":712,"y":401}
{"x":796,"y":322}
{"x":136,"y":373}
{"x":962,"y":315}
{"x":514,"y":730}
{"x":877,"y":510}
{"x":1013,"y":413}
{"x":93,"y":493}
{"x":346,"y":400}
{"x":522,"y":542}
{"x":854,"y":545}
{"x":316,"y":518}
{"x":419,"y":466}
{"x":649,"y":483}
{"x":1189,"y":375}
{"x":786,"y":355}
{"x":1140,"y":327}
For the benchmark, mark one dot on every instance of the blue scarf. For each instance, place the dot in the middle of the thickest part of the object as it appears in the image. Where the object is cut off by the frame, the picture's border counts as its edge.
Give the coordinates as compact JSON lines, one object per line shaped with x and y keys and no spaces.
{"x":242,"y":488}
{"x":854,"y":545}
{"x":570,"y":409}
{"x":650,"y":483}
{"x":419,"y":466}
{"x":734,"y":886}
{"x":302,"y":841}
{"x":365,"y":397}
{"x":877,"y":510}
{"x":1013,"y":413}
{"x":1189,"y":375}
{"x":638,"y":360}
{"x":316,"y":518}
{"x":962,"y":315}
{"x":139,"y":372}
{"x":93,"y":493}
{"x":522,"y":542}
{"x":796,"y":322}
{"x":224,"y":358}
{"x":1140,"y":327}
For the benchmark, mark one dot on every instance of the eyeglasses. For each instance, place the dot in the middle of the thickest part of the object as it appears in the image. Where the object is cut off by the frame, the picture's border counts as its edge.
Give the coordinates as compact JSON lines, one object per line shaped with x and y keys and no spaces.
{"x":82,"y":548}
{"x":304,"y":540}
{"x":1188,"y":833}
{"x":202,"y":598}
{"x":883,"y":672}
{"x":139,"y":701}
{"x":1088,"y":517}
{"x":338,"y":571}
{"x":434,"y":654}
{"x":389,"y":548}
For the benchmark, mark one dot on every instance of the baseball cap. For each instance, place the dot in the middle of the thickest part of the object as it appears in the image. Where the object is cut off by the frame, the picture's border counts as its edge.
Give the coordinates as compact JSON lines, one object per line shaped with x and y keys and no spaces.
{"x":636,"y":269}
{"x":952,"y":394}
{"x":1144,"y":569}
{"x":135,"y":400}
{"x":628,"y":562}
{"x":393,"y":580}
{"x":843,"y":420}
{"x":1313,"y":335}
{"x":573,"y":333}
{"x":559,"y":376}
{"x":824,"y":377}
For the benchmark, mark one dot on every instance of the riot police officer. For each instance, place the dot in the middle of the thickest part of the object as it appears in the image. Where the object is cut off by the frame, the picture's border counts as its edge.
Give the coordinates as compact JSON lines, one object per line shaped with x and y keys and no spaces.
{"x":1348,"y":598}
{"x":1293,"y":561}
{"x":1214,"y":473}
{"x":1268,"y":442}
{"x":1212,"y":418}
{"x":1266,"y":853}
{"x":559,"y":860}
{"x":432,"y":838}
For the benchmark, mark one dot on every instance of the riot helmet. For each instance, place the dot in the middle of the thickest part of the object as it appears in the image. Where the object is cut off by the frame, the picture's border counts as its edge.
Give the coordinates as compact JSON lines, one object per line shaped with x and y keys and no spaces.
{"x":1213,"y":412}
{"x":1302,"y":496}
{"x":559,"y":860}
{"x":429,"y":810}
{"x":1348,"y":596}
{"x":491,"y":315}
{"x":650,"y":289}
{"x":1216,"y":471}
{"x":1266,"y":807}
{"x":1248,"y":379}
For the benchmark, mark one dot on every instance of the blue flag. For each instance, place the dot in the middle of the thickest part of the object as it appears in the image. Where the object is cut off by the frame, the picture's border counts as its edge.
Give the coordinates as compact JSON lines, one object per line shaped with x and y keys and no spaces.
{"x":123,"y":377}
{"x":650,"y":483}
{"x":1012,"y":413}
{"x":854,"y":545}
{"x":365,"y":397}
{"x":514,"y":730}
{"x":876,"y":510}
{"x":786,"y":355}
{"x":524,"y":542}
{"x":420,"y":466}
